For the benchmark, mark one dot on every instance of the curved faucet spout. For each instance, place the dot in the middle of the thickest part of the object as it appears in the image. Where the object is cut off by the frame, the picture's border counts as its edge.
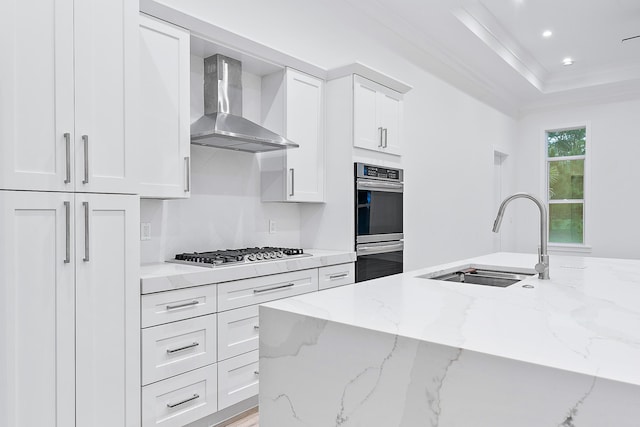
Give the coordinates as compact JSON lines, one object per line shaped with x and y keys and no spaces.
{"x":542,"y":267}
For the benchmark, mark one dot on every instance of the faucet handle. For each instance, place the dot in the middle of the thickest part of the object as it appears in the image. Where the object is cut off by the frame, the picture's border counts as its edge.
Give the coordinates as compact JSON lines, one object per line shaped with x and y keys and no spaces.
{"x":540,"y":267}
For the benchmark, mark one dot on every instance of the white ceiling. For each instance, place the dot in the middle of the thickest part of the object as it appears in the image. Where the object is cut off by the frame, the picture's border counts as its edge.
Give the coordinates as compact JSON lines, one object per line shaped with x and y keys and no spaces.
{"x":497,"y":47}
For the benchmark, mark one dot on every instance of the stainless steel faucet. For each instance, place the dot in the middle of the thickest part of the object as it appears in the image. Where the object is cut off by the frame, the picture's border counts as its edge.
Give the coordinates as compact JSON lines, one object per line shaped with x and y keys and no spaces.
{"x":542,"y":267}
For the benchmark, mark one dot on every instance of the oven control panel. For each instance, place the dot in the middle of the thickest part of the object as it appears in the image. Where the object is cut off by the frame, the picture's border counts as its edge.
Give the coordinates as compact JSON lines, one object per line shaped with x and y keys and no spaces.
{"x":364,"y":170}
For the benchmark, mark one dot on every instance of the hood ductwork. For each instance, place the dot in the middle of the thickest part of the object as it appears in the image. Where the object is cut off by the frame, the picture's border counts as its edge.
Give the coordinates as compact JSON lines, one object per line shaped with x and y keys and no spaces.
{"x":222,"y":125}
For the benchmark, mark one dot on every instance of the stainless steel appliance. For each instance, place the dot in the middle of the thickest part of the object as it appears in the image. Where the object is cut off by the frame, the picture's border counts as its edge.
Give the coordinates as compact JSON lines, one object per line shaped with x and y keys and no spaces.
{"x":230,"y":257}
{"x":222,"y":125}
{"x":378,"y":214}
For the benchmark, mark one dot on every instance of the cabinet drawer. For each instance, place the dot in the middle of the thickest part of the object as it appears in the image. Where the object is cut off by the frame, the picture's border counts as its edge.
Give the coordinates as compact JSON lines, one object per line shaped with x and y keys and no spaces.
{"x":336,"y":275}
{"x":241,"y":293}
{"x":237,"y":331}
{"x":165,"y":307}
{"x":180,"y":400}
{"x":237,"y":379}
{"x":178,"y":347}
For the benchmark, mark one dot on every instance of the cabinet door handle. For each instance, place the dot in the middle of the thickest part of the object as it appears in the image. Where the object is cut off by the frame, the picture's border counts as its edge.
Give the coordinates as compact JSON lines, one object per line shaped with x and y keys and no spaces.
{"x":293,"y":182}
{"x":188,"y":399}
{"x":67,"y":140}
{"x":338,"y":276}
{"x":86,"y":231}
{"x":186,"y":304}
{"x":257,"y":291}
{"x":256,"y":373}
{"x":187,"y":161}
{"x":85,"y":140}
{"x":380,"y":137}
{"x":256,"y":327}
{"x":174,"y":350}
{"x":385,"y":137}
{"x":67,"y":208}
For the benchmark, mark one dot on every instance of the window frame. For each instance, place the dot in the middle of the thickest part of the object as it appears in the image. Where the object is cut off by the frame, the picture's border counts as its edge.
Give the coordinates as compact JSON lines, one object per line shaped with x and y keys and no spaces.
{"x":583,"y":247}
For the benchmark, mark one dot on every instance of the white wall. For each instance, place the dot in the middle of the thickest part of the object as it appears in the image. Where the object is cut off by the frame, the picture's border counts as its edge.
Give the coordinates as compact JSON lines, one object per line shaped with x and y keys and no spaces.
{"x":612,"y":228}
{"x":448,"y":135}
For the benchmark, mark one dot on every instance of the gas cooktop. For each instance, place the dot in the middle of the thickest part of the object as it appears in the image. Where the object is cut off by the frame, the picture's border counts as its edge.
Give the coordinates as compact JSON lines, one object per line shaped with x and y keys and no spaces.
{"x":237,"y":256}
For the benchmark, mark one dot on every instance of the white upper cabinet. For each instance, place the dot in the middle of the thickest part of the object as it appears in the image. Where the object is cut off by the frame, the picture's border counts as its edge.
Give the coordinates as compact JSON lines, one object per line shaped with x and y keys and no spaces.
{"x":164,"y":142}
{"x":67,"y":79}
{"x":296,"y":110}
{"x":377,"y":116}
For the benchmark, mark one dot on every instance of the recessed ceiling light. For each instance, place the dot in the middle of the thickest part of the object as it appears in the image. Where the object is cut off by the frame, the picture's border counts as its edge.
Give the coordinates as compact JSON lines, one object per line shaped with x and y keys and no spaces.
{"x":567,"y":61}
{"x":547,"y":33}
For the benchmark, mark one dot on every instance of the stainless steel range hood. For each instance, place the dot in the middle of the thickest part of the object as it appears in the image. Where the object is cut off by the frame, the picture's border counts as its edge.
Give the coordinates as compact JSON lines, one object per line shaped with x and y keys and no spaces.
{"x":222,"y":125}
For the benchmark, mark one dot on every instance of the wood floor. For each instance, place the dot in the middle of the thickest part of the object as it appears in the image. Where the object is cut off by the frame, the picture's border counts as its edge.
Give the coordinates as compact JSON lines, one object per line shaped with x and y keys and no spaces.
{"x":248,"y":419}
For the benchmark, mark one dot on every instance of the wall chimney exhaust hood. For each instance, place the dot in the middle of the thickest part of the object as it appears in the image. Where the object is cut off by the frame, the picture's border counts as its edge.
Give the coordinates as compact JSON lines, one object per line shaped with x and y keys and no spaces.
{"x":222,"y":125}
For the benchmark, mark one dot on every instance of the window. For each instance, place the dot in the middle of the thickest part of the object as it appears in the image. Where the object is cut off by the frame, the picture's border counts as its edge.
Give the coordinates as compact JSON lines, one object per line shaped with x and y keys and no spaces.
{"x":566,"y":157}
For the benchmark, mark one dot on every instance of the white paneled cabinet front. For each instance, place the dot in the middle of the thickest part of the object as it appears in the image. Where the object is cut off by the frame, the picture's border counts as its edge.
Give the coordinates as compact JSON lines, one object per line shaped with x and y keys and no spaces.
{"x":377,"y":116}
{"x":67,"y":82}
{"x":178,"y":347}
{"x":237,"y":379}
{"x":164,"y":143}
{"x":69,"y":264}
{"x":293,"y":105}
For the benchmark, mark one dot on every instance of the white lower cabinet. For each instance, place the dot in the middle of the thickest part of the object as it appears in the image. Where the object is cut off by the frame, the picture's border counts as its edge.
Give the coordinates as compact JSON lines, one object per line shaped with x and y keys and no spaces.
{"x":237,"y":379}
{"x":180,"y":400}
{"x":261,"y":289}
{"x":70,"y":310}
{"x":200,"y":344}
{"x":336,"y":275}
{"x":164,"y":307}
{"x":178,"y":347}
{"x":237,"y":331}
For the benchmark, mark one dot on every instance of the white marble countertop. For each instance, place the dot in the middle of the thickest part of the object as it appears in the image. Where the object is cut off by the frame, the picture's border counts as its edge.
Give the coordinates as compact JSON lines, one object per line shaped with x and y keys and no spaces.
{"x":586,"y":319}
{"x":165,"y":276}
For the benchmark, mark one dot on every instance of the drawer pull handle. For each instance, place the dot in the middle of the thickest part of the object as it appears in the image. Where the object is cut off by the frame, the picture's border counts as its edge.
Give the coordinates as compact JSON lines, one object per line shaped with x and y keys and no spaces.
{"x":338,"y":276}
{"x":257,"y":291}
{"x":173,"y":350}
{"x":188,"y":399}
{"x":256,"y":327}
{"x":186,"y":304}
{"x":85,"y":140}
{"x":256,"y":372}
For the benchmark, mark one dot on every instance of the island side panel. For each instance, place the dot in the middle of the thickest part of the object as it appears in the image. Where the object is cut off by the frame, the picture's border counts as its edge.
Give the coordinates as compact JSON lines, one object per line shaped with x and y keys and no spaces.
{"x":315,"y":372}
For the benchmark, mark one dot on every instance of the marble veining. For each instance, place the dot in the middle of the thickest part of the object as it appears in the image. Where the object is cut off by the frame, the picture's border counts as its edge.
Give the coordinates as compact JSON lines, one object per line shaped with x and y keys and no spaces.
{"x":408,"y":351}
{"x":356,"y":401}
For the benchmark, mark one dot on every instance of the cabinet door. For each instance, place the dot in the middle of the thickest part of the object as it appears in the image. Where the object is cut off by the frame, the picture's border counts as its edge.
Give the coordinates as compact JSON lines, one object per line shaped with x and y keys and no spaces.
{"x":389,"y":119}
{"x":305,"y":126}
{"x":36,"y":309}
{"x":107,"y":310}
{"x":367,"y":132}
{"x":164,"y":110}
{"x":106,"y":83}
{"x":36,"y":95}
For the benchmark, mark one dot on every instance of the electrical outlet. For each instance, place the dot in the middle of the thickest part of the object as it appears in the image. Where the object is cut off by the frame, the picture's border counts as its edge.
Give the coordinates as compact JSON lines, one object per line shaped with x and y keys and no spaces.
{"x":272,"y":226}
{"x":145,"y":231}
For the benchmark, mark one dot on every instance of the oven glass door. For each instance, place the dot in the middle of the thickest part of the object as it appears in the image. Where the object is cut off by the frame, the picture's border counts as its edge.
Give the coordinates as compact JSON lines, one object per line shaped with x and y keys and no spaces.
{"x":378,"y":212}
{"x":378,"y":260}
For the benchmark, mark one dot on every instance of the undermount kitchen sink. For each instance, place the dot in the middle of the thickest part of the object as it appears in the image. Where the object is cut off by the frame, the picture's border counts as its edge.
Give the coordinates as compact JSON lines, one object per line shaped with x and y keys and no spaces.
{"x":478,"y":275}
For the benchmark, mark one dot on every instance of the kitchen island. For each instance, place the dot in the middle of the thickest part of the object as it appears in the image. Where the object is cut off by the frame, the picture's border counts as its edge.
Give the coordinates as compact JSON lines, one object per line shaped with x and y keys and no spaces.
{"x":409,"y":351}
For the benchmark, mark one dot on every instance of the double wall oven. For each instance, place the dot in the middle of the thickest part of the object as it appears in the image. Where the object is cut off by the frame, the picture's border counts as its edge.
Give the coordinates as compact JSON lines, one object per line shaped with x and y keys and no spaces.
{"x":379,"y":233}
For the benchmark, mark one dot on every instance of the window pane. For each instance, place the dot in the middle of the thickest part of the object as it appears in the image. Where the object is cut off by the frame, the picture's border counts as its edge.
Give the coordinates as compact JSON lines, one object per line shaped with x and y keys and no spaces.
{"x":565,"y":223}
{"x":566,"y":179}
{"x":570,"y":142}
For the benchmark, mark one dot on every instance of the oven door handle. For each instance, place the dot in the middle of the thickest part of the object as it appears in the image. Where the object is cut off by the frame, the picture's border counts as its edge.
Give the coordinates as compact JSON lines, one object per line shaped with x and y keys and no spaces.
{"x":379,"y":248}
{"x":393,"y":187}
